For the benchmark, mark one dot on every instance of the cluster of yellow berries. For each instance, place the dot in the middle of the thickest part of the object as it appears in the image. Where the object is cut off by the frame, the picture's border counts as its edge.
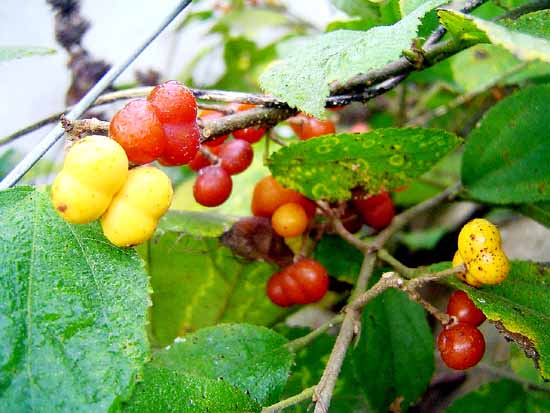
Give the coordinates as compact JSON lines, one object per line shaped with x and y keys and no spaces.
{"x":480,"y":250}
{"x":95,"y":182}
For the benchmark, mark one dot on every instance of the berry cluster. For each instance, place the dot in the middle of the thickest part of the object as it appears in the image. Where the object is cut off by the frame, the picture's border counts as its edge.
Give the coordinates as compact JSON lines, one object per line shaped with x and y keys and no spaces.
{"x":461,"y":344}
{"x":303,"y":282}
{"x":162,"y":127}
{"x":289,"y":210}
{"x":480,"y":249}
{"x":95,"y":182}
{"x":221,"y":159}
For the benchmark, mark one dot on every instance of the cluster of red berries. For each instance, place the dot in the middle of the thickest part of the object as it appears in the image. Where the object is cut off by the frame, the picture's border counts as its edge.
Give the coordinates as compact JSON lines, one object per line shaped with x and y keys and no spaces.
{"x":224,"y":158}
{"x":461,"y":344}
{"x":303,"y":282}
{"x":164,"y":127}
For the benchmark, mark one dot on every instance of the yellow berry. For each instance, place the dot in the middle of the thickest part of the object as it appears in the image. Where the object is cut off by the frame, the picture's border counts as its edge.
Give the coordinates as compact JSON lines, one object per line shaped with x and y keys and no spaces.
{"x":464,"y":276}
{"x":95,"y":168}
{"x":478,"y":235}
{"x":489,"y":268}
{"x":133,"y":215}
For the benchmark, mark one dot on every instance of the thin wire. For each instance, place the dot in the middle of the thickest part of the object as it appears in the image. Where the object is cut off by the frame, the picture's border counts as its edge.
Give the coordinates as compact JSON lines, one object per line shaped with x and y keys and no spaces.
{"x":53,"y":136}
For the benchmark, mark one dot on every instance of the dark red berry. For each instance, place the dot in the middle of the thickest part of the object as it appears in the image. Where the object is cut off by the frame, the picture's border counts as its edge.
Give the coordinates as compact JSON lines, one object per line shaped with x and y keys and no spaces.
{"x":138,"y":130}
{"x":461,"y":346}
{"x":464,"y":309}
{"x":173,"y":102}
{"x":377,"y":211}
{"x":275,"y":291}
{"x":182,"y":143}
{"x":236,"y":156}
{"x":212,"y":186}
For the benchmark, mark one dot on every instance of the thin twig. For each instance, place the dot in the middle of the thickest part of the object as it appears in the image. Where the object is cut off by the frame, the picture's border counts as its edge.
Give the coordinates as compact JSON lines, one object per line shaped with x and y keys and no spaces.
{"x":397,"y":265}
{"x":404,"y":218}
{"x":301,"y":342}
{"x":443,"y":317}
{"x":499,"y":372}
{"x":530,"y":7}
{"x":291,"y":401}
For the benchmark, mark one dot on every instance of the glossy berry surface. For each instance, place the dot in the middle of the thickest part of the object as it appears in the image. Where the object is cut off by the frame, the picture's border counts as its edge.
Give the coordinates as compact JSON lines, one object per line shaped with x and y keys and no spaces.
{"x":251,"y":135}
{"x":200,"y":161}
{"x":307,"y":127}
{"x":464,"y":309}
{"x":304,"y":282}
{"x":94,"y":170}
{"x":182,"y":143}
{"x":461,"y":346}
{"x":289,"y":220}
{"x":212,"y":114}
{"x":236,"y":156}
{"x":173,"y":103}
{"x":133,"y":215}
{"x":269,"y":195}
{"x":212,"y":186}
{"x":138,"y":130}
{"x":377,"y":211}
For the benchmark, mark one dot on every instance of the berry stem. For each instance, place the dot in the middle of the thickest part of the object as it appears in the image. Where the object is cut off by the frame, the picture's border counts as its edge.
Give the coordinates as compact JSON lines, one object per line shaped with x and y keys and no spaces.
{"x":397,"y":265}
{"x":291,"y":401}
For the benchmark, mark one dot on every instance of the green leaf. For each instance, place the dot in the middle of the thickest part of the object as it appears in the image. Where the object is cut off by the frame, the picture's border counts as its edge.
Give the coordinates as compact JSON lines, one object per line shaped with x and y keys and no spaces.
{"x":302,"y":79}
{"x":504,"y":396}
{"x":72,"y":311}
{"x":251,"y":358}
{"x":535,"y":24}
{"x":520,"y":306}
{"x":394,"y":356}
{"x":329,"y":166}
{"x":408,"y":6}
{"x":198,"y":224}
{"x":197,"y":282}
{"x":524,"y":368}
{"x":539,"y":211}
{"x":507,"y":157}
{"x":309,"y":366}
{"x":345,"y":265}
{"x":473,"y":29}
{"x":19,"y":52}
{"x":366,"y":9}
{"x":164,"y":390}
{"x":426,"y":239}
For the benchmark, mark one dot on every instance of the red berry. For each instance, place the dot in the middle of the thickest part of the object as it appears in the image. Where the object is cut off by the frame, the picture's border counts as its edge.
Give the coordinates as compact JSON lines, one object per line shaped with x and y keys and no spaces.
{"x":173,"y":102}
{"x":200,"y":161}
{"x":212,"y":114}
{"x":359,"y":127}
{"x":464,"y":309}
{"x":251,"y":135}
{"x":307,"y":127}
{"x":138,"y":130}
{"x":236,"y":156}
{"x":351,"y":219}
{"x":377,"y":211}
{"x":289,"y":220}
{"x":212,"y":186}
{"x":275,"y":291}
{"x":269,"y":195}
{"x":301,"y":283}
{"x":182,"y":143}
{"x":461,"y":346}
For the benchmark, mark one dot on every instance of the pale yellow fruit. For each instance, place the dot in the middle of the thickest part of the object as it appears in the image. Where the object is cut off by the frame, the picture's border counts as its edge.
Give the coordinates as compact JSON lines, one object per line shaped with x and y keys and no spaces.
{"x":464,"y":276}
{"x":132,"y":217}
{"x":489,"y":268}
{"x":95,"y":168}
{"x":477,"y":236}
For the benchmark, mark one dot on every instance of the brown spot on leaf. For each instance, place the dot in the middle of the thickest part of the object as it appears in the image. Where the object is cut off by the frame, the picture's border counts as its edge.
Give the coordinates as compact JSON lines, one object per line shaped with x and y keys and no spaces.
{"x":523,"y":341}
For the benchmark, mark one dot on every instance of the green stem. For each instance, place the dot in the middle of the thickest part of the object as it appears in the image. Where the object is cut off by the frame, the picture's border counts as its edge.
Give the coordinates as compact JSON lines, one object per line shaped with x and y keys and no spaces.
{"x":397,"y":265}
{"x":291,"y":401}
